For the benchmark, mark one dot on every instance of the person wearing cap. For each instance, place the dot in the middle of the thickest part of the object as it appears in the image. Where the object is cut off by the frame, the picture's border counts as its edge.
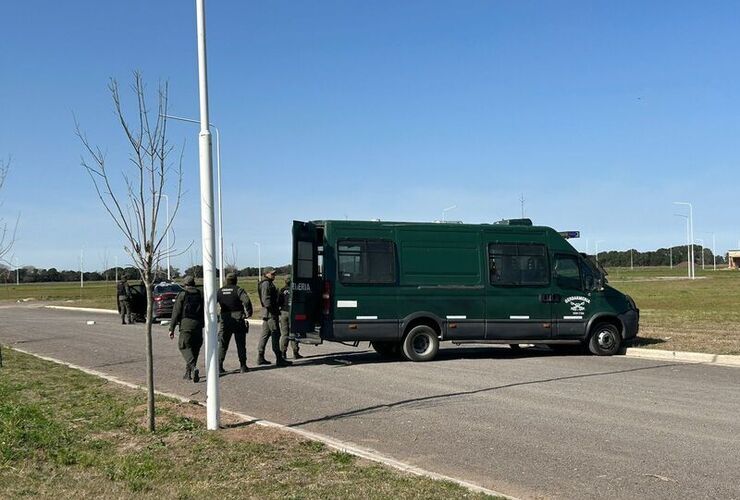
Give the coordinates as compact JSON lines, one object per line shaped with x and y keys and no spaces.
{"x":124,"y":300}
{"x":188,"y":312}
{"x":235,"y":308}
{"x":270,"y":319}
{"x":284,"y":306}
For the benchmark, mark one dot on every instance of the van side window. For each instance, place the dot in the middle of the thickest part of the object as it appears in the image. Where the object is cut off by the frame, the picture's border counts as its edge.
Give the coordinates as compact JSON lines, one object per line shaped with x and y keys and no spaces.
{"x":518,"y":264}
{"x":567,"y":272}
{"x":366,"y":261}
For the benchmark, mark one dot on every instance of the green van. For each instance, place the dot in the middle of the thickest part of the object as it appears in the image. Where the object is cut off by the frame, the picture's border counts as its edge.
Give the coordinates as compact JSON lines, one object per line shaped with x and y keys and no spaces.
{"x":406,"y":286}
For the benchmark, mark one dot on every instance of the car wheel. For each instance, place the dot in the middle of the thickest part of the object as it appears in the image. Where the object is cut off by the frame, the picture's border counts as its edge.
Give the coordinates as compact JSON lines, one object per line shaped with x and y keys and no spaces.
{"x":421,"y":344}
{"x":386,"y":349}
{"x":605,"y":340}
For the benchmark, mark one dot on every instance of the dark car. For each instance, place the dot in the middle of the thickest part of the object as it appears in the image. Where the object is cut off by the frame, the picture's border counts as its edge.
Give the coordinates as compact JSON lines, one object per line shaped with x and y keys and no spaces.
{"x":164,"y":299}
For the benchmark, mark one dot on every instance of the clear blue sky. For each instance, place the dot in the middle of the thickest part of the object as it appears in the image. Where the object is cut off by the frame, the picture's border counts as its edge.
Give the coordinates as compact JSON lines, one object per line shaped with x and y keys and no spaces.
{"x":600,"y":113}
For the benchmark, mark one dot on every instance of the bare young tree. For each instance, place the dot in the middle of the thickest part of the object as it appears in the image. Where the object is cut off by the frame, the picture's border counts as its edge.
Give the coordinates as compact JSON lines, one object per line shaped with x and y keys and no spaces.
{"x":7,"y":234}
{"x":134,"y":200}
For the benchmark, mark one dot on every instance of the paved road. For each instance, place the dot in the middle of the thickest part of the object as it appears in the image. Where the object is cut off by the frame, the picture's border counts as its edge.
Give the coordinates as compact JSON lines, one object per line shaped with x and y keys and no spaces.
{"x":529,"y":424}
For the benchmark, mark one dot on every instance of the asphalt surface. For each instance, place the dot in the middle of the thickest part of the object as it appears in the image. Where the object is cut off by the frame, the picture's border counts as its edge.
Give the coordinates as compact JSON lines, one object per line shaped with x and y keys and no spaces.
{"x":530,"y":424}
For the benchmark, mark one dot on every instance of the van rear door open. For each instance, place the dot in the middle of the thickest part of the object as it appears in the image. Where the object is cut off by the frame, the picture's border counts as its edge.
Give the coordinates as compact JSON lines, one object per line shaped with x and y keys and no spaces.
{"x":305,"y":312}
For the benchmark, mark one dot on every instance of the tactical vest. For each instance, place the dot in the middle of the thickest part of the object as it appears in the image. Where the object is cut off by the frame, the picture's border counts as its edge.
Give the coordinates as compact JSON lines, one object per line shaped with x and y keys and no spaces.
{"x":193,"y":306}
{"x":228,"y":299}
{"x":121,"y":290}
{"x":284,"y":299}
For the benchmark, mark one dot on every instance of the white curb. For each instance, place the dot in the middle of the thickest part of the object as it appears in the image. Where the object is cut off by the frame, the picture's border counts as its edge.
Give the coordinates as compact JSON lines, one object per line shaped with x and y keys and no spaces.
{"x":686,"y":357}
{"x":339,"y":445}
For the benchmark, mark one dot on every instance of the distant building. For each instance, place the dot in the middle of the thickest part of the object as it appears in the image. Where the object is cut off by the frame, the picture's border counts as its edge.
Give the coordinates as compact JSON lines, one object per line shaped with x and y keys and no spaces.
{"x":733,"y":259}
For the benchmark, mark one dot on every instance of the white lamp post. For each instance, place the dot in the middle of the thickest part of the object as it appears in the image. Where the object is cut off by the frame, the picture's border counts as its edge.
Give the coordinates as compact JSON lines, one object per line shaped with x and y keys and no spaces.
{"x":597,"y":249}
{"x":218,"y":194}
{"x":691,"y":235}
{"x":259,"y":260}
{"x":701,"y":242}
{"x":213,"y":404}
{"x":688,"y":241}
{"x":445,"y":210}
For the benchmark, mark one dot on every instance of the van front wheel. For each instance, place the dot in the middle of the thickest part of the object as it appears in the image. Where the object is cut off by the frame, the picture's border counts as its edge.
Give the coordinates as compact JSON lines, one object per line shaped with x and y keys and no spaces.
{"x":605,"y":340}
{"x":421,"y":344}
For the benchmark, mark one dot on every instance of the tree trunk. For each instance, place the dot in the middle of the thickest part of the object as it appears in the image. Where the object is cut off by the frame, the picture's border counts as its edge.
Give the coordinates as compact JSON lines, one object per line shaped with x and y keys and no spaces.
{"x":149,"y":356}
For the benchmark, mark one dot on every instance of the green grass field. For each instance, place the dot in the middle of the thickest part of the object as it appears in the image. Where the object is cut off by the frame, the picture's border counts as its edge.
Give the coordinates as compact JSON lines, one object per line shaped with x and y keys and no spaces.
{"x":676,"y":314}
{"x":66,"y":434}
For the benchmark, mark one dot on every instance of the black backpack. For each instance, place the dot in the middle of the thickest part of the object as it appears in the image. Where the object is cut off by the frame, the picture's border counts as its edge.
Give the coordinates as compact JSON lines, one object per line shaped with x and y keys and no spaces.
{"x":193,"y":306}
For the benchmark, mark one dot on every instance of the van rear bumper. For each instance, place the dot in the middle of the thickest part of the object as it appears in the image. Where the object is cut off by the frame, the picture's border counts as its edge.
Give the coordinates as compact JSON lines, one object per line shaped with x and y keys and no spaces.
{"x":631,"y":322}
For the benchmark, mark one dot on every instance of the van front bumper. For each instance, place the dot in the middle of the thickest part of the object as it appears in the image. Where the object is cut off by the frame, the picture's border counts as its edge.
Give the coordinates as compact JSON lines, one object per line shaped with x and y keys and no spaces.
{"x":631,"y":322}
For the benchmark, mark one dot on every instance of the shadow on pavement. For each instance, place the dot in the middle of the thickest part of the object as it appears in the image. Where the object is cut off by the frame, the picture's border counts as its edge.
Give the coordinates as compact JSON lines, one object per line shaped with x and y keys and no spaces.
{"x":441,"y":397}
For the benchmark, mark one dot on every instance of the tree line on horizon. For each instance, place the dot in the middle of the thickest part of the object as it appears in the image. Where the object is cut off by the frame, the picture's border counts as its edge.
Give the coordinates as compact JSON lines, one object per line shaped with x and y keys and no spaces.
{"x":31,"y":274}
{"x":659,"y":257}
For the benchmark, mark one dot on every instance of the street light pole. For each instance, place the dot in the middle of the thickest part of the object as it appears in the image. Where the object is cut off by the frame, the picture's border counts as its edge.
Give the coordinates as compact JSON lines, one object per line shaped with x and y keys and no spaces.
{"x":597,"y":249}
{"x":17,"y":275}
{"x":445,"y":210}
{"x":167,"y":208}
{"x":714,"y":252}
{"x":82,"y":276}
{"x":213,"y":403}
{"x":702,"y":252}
{"x":259,"y":260}
{"x":688,"y":241}
{"x":691,"y":235}
{"x":218,"y":193}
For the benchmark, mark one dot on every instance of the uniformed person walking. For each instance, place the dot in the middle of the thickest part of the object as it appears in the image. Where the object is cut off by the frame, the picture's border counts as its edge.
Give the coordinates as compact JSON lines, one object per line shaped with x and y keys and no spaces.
{"x":270,"y":319}
{"x":188,"y":312}
{"x":235,"y":308}
{"x":124,"y":300}
{"x":284,"y":306}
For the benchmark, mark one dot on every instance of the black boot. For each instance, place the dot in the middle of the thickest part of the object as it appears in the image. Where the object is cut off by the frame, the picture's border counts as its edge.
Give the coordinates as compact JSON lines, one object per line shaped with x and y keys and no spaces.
{"x":188,"y":372}
{"x":262,"y":361}
{"x":281,"y":361}
{"x":243,"y":369}
{"x":221,"y":369}
{"x":196,"y":375}
{"x":296,"y":355}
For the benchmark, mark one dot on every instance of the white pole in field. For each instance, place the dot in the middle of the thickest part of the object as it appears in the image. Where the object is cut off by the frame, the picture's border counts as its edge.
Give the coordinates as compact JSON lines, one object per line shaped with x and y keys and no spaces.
{"x":213,"y":404}
{"x":714,"y":252}
{"x":445,"y":210}
{"x":17,"y":275}
{"x":702,"y":252}
{"x":167,"y":208}
{"x":632,"y":264}
{"x":688,"y":241}
{"x":218,"y":193}
{"x":670,"y":250}
{"x":691,"y":236}
{"x":259,"y":260}
{"x":82,"y":276}
{"x":116,"y":258}
{"x":597,"y":249}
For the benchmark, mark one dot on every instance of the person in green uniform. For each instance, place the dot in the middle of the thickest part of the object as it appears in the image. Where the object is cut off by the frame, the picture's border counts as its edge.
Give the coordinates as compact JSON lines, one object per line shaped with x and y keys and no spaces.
{"x":235,"y":308}
{"x":188,"y":312}
{"x":284,"y":306}
{"x":124,"y":300}
{"x":270,"y":319}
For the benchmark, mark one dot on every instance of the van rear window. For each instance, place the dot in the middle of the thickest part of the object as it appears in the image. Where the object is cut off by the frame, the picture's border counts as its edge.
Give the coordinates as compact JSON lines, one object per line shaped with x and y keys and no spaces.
{"x":517,"y":264}
{"x":366,"y":261}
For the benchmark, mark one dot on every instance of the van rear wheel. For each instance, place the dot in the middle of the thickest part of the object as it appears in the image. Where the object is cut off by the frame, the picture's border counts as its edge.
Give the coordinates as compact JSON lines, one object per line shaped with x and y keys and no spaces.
{"x":421,"y":344}
{"x":386,"y":349}
{"x":605,"y":340}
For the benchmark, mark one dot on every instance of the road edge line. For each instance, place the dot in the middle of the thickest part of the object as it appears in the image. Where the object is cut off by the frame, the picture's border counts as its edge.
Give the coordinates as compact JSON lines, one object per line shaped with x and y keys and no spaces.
{"x":343,"y":446}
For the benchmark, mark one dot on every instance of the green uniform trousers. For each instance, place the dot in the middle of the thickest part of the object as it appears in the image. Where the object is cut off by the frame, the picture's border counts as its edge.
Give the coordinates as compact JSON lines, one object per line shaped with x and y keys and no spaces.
{"x":270,"y":330}
{"x":189,"y":343}
{"x":124,"y":307}
{"x":238,"y":328}
{"x":285,"y":333}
